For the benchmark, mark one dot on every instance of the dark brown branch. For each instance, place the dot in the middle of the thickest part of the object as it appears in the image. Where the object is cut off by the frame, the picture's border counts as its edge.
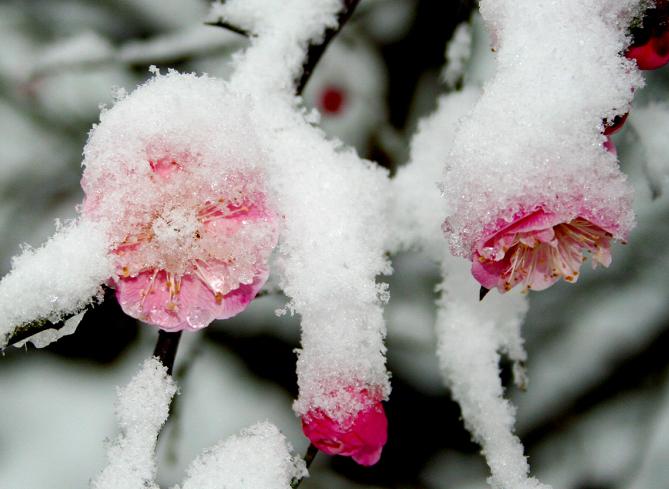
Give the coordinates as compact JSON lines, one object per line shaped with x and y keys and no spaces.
{"x":308,"y":458}
{"x":232,"y":28}
{"x":166,"y":348}
{"x":27,"y":330}
{"x":316,"y":51}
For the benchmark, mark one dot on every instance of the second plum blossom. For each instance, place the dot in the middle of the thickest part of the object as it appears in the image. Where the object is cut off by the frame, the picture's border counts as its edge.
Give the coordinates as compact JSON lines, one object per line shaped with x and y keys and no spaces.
{"x":531,"y":182}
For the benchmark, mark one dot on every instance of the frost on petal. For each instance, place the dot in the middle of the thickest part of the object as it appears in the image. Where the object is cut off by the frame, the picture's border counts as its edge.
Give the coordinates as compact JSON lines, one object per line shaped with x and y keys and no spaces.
{"x":142,"y":408}
{"x":258,"y":458}
{"x":59,"y":279}
{"x":534,"y":139}
{"x":191,"y":220}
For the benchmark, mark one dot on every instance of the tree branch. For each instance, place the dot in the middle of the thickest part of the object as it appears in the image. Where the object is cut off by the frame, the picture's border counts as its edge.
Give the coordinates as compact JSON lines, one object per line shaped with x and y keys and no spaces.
{"x":26,"y":330}
{"x":232,"y":28}
{"x":316,"y":51}
{"x":308,"y":458}
{"x":166,"y":348}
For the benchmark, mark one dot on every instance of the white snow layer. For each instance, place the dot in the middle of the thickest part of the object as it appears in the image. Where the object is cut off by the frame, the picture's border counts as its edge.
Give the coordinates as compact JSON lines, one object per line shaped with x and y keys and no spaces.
{"x":332,"y":245}
{"x":143,"y":406}
{"x":258,"y":458}
{"x":59,"y":279}
{"x":534,"y":138}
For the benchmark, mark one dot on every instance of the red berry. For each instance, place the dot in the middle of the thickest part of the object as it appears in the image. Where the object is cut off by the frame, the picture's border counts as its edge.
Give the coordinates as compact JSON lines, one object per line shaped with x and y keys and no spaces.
{"x":332,"y":100}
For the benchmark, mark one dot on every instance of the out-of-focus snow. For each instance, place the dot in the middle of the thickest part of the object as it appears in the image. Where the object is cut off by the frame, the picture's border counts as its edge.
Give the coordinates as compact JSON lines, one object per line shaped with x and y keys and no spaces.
{"x":652,"y":124}
{"x":142,"y":408}
{"x":258,"y":458}
{"x":458,"y":53}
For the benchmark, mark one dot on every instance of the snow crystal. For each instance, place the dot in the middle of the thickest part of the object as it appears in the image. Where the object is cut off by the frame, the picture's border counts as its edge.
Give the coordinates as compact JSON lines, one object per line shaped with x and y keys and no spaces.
{"x":143,"y":406}
{"x":458,"y":52}
{"x":258,"y":458}
{"x":534,"y":138}
{"x":59,"y":279}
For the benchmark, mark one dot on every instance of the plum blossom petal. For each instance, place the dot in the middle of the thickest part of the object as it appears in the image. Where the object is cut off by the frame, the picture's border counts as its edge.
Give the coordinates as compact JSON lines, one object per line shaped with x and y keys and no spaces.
{"x":537,"y":249}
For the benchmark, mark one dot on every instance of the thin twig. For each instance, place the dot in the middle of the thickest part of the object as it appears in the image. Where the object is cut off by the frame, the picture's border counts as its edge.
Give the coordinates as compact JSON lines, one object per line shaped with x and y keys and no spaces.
{"x":230,"y":27}
{"x":308,"y":458}
{"x":166,"y":348}
{"x":316,"y":50}
{"x":26,"y":330}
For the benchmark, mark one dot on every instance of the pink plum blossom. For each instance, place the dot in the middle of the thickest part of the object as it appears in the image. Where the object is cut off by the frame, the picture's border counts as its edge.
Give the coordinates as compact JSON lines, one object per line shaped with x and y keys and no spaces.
{"x":360,"y":436}
{"x":537,"y":248}
{"x":195,"y":249}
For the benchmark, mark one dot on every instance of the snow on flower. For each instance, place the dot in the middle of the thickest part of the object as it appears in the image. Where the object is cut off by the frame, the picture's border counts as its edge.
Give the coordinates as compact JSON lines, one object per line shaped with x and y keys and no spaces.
{"x":192,"y":228}
{"x":529,"y":183}
{"x":360,"y":435}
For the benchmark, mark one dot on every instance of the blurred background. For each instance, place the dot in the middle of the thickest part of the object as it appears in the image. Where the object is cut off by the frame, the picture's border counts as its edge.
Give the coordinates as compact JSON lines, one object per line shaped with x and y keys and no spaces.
{"x":596,"y":413}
